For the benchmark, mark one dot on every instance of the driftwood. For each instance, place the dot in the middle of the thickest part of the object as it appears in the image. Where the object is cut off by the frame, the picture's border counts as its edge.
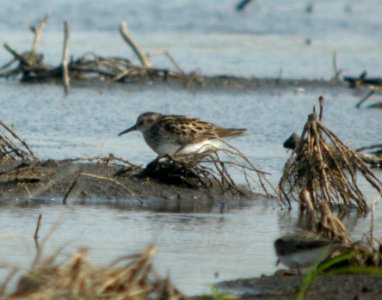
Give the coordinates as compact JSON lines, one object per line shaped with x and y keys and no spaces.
{"x":29,"y":66}
{"x":37,"y":31}
{"x":134,"y":46}
{"x":317,"y":173}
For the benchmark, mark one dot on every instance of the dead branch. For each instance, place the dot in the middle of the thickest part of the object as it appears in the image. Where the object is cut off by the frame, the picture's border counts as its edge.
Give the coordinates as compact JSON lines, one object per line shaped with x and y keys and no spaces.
{"x":169,"y":56}
{"x":65,"y":56}
{"x":16,"y":55}
{"x":134,"y":46}
{"x":89,"y":66}
{"x":37,"y":31}
{"x":369,"y":94}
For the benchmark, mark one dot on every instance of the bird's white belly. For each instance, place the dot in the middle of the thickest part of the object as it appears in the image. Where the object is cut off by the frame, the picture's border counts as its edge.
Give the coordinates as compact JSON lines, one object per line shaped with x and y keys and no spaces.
{"x":171,"y":149}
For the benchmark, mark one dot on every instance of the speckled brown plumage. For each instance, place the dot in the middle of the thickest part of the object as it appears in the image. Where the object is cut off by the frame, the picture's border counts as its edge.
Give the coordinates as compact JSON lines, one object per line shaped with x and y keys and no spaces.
{"x":178,"y":131}
{"x":190,"y":130}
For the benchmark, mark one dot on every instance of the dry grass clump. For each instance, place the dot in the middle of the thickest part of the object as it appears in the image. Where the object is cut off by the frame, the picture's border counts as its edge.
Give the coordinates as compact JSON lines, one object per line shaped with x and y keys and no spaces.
{"x":129,"y":277}
{"x":318,"y":172}
{"x":12,"y":146}
{"x":210,"y":168}
{"x":325,"y":223}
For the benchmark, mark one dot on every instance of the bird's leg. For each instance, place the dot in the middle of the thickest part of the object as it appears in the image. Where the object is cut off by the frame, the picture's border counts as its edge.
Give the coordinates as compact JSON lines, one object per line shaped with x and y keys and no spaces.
{"x":180,"y":149}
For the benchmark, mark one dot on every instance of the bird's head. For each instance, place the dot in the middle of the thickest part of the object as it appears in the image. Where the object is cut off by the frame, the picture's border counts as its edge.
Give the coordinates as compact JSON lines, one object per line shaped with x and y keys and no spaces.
{"x":144,"y":122}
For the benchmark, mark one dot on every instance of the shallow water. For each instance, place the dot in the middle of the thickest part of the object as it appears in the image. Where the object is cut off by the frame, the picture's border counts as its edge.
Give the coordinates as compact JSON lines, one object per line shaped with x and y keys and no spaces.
{"x":192,"y":247}
{"x":210,"y":36}
{"x":197,"y":248}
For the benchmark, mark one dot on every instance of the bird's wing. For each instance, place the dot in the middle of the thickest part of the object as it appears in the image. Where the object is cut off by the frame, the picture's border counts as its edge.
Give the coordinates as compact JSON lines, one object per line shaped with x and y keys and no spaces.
{"x":188,"y":130}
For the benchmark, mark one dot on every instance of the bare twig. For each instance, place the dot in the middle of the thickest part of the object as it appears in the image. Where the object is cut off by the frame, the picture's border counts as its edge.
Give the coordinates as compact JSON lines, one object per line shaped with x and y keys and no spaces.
{"x":75,"y":182}
{"x":134,"y":46}
{"x":35,"y":236}
{"x":7,"y":146}
{"x":37,"y":32}
{"x":369,"y":94}
{"x":337,"y":72}
{"x":103,"y":159}
{"x":169,"y":56}
{"x":65,"y":71}
{"x":16,"y":54}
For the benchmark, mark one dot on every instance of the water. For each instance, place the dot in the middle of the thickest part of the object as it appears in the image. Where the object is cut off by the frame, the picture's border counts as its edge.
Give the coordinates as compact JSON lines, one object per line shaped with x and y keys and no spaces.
{"x":210,"y":36}
{"x":197,"y":249}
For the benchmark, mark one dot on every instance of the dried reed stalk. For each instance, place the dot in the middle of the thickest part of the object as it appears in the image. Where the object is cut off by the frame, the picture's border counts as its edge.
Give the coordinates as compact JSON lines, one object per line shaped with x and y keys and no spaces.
{"x":12,"y":146}
{"x":129,"y":277}
{"x":318,"y":173}
{"x":134,"y":46}
{"x":330,"y":226}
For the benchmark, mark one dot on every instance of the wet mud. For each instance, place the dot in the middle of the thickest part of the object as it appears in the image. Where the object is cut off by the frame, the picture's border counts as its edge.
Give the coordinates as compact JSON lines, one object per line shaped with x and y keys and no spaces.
{"x":70,"y":182}
{"x":216,"y":83}
{"x":336,"y":287}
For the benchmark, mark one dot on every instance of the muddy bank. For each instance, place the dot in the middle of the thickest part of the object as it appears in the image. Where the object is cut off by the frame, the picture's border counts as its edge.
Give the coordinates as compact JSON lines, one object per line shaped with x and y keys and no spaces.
{"x":71,"y":182}
{"x":218,"y":82}
{"x":335,"y":287}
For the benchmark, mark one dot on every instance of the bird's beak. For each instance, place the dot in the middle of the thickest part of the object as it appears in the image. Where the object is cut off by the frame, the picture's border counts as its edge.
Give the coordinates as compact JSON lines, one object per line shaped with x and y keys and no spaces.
{"x":128,"y":130}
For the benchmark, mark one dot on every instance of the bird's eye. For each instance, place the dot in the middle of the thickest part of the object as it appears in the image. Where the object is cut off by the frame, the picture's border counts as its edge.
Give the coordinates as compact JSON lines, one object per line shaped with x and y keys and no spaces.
{"x":140,"y":122}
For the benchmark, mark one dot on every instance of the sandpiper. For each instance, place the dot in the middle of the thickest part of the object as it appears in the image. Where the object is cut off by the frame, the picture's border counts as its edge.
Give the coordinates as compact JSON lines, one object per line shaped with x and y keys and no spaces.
{"x":304,"y":250}
{"x":173,"y":134}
